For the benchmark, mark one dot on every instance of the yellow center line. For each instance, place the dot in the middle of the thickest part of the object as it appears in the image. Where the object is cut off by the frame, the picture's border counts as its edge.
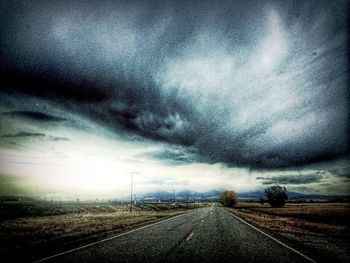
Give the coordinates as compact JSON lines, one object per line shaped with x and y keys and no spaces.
{"x":189,"y":237}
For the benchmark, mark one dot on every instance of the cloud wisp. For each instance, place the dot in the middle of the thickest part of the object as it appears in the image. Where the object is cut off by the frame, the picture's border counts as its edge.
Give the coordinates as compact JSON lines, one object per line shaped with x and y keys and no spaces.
{"x":34,"y":116}
{"x":35,"y":135}
{"x":292,"y":179}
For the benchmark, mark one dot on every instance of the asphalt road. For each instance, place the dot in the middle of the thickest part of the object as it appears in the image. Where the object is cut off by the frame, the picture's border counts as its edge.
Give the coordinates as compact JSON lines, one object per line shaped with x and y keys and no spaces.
{"x":204,"y":235}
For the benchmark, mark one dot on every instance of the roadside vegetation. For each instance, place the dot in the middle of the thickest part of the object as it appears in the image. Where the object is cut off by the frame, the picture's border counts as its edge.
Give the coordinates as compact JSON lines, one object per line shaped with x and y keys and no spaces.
{"x":321,"y":229}
{"x":276,"y":195}
{"x":229,"y":199}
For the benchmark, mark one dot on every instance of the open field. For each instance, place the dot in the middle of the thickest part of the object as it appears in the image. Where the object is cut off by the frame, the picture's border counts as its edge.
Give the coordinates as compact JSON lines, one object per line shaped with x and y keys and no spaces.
{"x":319,"y":228}
{"x":34,"y":208}
{"x":56,"y":228}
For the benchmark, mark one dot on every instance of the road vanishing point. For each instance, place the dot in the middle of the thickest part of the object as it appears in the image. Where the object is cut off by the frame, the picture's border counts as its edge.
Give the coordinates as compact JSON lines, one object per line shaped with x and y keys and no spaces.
{"x":209,"y":234}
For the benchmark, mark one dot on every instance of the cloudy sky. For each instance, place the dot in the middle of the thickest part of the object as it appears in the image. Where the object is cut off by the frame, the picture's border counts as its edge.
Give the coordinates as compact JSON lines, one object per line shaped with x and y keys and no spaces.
{"x":184,"y":94}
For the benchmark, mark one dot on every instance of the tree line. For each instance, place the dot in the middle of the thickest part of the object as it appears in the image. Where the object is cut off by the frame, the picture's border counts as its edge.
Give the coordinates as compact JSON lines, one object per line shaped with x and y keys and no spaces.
{"x":275,"y":195}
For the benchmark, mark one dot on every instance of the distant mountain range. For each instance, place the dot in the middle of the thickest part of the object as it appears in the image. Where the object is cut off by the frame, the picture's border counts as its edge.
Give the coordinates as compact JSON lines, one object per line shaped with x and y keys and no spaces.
{"x":214,"y":195}
{"x":181,"y":195}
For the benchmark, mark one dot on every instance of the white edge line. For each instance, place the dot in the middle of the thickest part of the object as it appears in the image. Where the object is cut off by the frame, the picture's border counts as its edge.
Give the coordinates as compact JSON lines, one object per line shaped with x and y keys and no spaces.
{"x":112,"y":237}
{"x":274,"y":239}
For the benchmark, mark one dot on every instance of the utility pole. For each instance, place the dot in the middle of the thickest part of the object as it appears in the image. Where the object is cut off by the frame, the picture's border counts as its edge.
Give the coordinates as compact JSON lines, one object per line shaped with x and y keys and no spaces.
{"x":174,"y":197}
{"x":131,"y":188}
{"x":132,"y":178}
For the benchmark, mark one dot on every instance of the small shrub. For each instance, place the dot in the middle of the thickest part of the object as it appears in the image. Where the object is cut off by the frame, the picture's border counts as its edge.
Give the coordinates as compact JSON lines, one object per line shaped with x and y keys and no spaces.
{"x":228,"y":199}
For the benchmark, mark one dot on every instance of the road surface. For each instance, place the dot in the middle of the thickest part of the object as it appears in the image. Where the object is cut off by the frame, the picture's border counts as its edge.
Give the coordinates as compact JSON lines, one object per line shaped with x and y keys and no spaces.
{"x":204,"y":235}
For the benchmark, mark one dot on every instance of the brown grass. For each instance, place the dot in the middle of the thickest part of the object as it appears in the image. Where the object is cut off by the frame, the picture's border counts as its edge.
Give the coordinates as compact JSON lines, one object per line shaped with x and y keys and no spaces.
{"x":30,"y":236}
{"x":71,"y":226}
{"x":319,"y":230}
{"x":320,"y":219}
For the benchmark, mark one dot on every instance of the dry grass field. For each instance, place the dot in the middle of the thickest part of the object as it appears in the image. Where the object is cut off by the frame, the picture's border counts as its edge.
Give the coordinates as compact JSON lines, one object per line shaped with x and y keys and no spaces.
{"x":321,"y":229}
{"x":31,"y":237}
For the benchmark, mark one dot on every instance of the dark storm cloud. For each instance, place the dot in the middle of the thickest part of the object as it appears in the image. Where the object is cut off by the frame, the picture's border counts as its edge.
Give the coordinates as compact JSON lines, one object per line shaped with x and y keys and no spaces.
{"x":34,"y":116}
{"x":24,"y":134}
{"x":341,"y":168}
{"x":248,"y":83}
{"x":57,"y":138}
{"x":336,"y":168}
{"x":343,"y":173}
{"x":293,"y":179}
{"x":173,"y":156}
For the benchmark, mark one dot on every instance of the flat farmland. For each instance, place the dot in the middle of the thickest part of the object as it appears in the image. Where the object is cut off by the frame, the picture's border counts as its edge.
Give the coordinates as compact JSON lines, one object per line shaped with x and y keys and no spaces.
{"x":39,"y":230}
{"x":322,"y":228}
